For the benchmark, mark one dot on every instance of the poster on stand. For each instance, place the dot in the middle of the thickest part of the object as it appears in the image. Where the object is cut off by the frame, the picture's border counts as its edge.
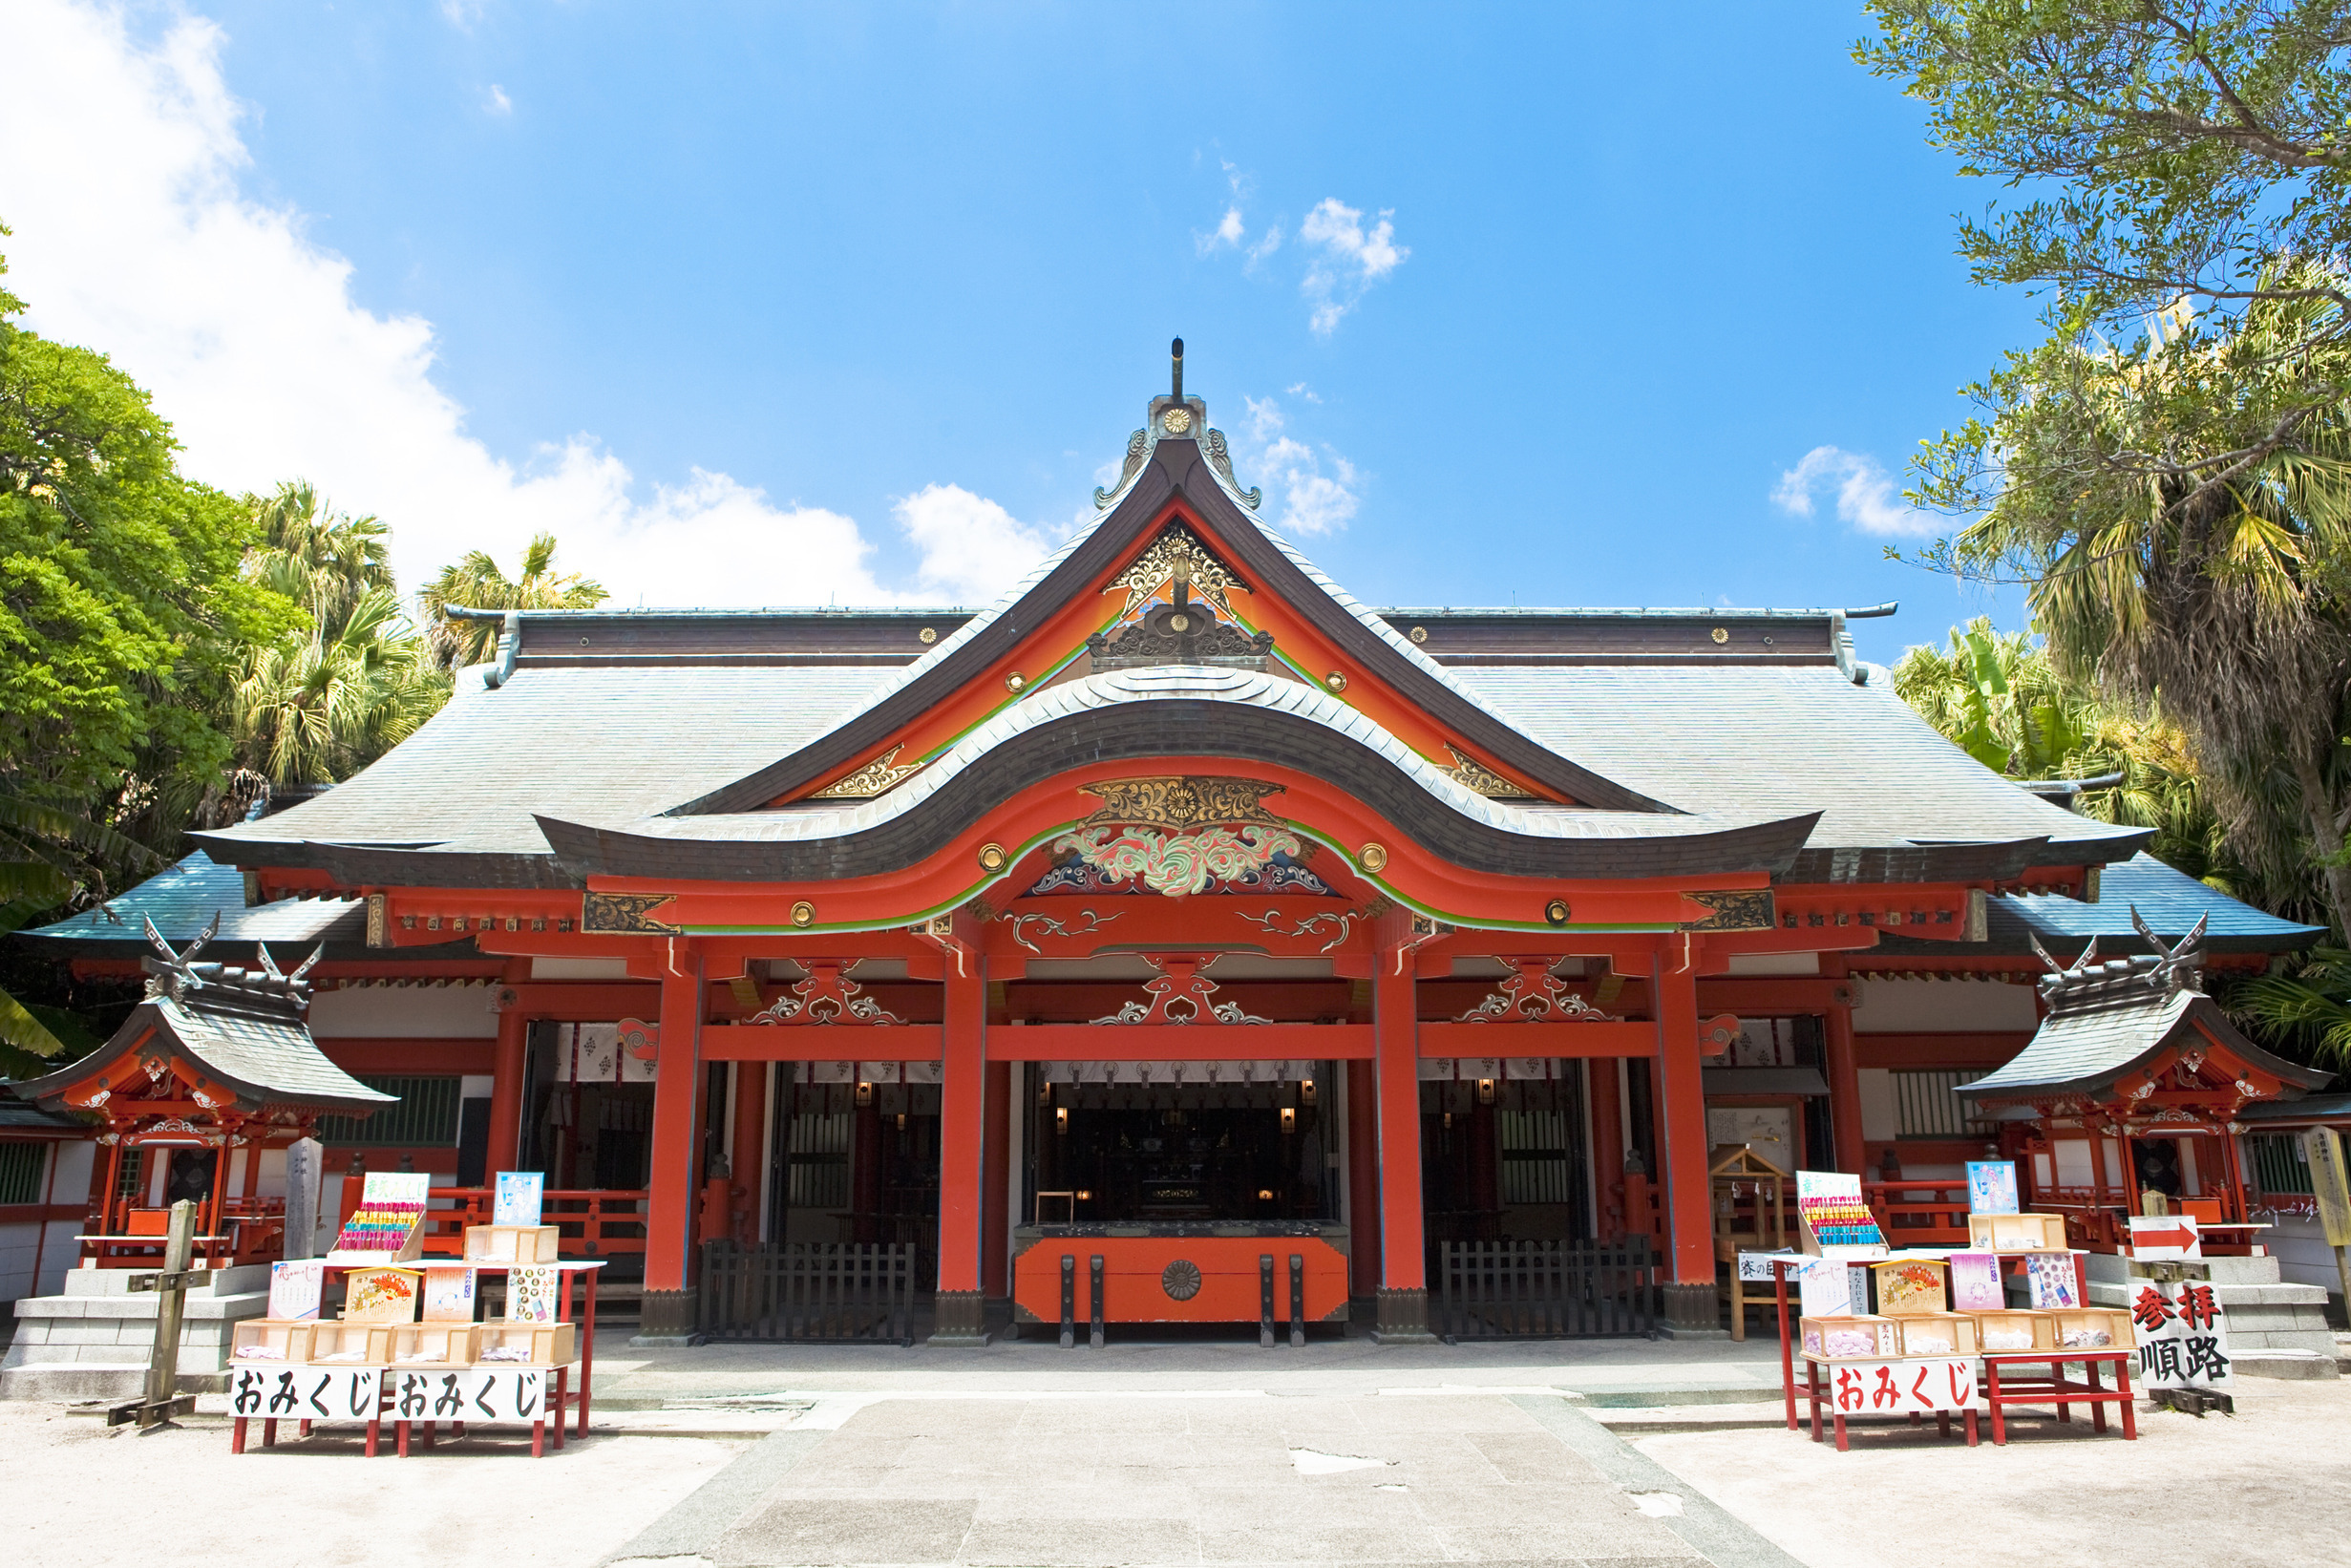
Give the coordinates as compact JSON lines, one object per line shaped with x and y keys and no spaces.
{"x":1975,"y":1282}
{"x":449,"y":1294}
{"x":304,"y":1393}
{"x":2051,"y":1281}
{"x":1992,"y":1186}
{"x":519,"y":1196}
{"x":1827,"y":1291}
{"x":388,"y":1227}
{"x":296,"y":1288}
{"x":1902,"y":1388}
{"x":531,"y":1293}
{"x":2181,"y":1333}
{"x":1836,"y":1223}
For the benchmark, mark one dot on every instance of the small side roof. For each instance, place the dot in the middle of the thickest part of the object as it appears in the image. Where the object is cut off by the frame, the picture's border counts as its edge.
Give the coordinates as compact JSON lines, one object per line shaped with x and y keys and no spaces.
{"x":2169,"y":899}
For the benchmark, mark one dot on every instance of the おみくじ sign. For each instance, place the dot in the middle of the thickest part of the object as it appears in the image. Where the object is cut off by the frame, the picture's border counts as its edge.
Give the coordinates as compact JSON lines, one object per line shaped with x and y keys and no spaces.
{"x":1902,"y":1388}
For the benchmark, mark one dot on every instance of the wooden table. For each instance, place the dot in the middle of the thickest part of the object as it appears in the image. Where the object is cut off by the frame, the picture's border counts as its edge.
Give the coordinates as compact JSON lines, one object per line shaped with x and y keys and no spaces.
{"x":2057,"y":1390}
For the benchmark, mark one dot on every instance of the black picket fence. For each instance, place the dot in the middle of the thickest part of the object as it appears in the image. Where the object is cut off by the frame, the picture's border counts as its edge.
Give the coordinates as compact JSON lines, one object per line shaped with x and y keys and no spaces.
{"x":1497,"y":1290}
{"x":801,"y":1290}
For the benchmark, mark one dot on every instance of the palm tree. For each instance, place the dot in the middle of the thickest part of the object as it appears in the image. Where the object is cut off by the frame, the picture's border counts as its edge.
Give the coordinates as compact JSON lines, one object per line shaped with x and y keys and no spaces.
{"x":2216,"y":590}
{"x":321,"y":706}
{"x":315,"y":556}
{"x":2306,"y":1006}
{"x":476,"y":584}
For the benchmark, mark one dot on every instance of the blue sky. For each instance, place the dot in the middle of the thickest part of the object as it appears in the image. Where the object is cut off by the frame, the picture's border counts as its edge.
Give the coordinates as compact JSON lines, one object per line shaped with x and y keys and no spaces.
{"x":772,"y":305}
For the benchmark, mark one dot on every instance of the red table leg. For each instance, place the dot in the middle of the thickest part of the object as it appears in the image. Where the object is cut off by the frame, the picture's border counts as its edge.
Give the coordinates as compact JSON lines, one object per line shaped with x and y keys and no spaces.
{"x":1999,"y":1420}
{"x":302,"y":1430}
{"x":1842,"y":1445}
{"x":2122,"y":1383}
{"x":375,"y":1433}
{"x":538,"y":1436}
{"x":2097,"y":1406}
{"x":401,"y":1428}
{"x":236,"y":1436}
{"x":2057,"y":1376}
{"x":1788,"y":1370}
{"x":562,"y":1382}
{"x":269,"y":1432}
{"x":1971,"y":1429}
{"x":587,"y":1355}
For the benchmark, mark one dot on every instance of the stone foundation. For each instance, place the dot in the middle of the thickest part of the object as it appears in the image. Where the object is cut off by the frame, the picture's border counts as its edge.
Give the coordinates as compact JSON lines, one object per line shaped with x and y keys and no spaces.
{"x":1403,"y":1319}
{"x":1692,"y":1312}
{"x":669,"y":1319}
{"x":960,"y":1318}
{"x":93,"y":1340}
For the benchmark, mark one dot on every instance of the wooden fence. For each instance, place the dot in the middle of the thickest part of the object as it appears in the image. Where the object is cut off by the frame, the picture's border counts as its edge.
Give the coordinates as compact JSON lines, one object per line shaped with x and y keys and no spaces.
{"x":1546,"y":1290}
{"x":804,"y":1290}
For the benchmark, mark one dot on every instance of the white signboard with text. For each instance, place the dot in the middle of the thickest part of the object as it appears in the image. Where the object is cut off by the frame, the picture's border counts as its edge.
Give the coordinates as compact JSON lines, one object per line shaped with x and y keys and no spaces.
{"x":1901,"y":1387}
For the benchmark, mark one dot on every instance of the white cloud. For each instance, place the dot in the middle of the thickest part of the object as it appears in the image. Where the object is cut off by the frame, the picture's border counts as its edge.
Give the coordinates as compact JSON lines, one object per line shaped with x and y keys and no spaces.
{"x":1227,"y":233}
{"x":499,"y":104}
{"x":1299,"y":389}
{"x":973,"y":549}
{"x":1352,"y":260}
{"x":120,"y":167}
{"x":1309,"y":501}
{"x":1267,"y":243}
{"x":1865,"y":493}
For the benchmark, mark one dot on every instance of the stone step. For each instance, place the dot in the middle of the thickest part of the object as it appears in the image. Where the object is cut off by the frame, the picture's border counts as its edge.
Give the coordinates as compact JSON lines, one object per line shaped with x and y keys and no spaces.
{"x":2282,"y":1363}
{"x":31,"y":1309}
{"x":94,"y":1381}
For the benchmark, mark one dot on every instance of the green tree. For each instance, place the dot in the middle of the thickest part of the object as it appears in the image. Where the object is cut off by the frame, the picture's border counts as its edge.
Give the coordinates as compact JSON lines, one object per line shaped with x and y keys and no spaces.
{"x":477,"y":582}
{"x":122,"y":614}
{"x":2170,"y":470}
{"x":326,"y":700}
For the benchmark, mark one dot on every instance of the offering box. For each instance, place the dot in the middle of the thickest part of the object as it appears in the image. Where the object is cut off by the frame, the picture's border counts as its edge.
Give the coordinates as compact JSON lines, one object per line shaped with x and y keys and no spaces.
{"x":2016,"y":1232}
{"x":2093,"y":1328}
{"x":2015,"y":1331}
{"x":1907,"y":1286}
{"x":498,"y":1343}
{"x":1937,"y":1334}
{"x":432,"y":1345}
{"x":1858,"y":1336}
{"x":272,"y":1338}
{"x":347,"y":1344}
{"x":511,"y":1243}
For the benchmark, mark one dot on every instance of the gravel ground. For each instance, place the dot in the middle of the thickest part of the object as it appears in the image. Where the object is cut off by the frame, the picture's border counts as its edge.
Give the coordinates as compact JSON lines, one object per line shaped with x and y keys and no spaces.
{"x":2270,"y":1485}
{"x":82,"y":1495}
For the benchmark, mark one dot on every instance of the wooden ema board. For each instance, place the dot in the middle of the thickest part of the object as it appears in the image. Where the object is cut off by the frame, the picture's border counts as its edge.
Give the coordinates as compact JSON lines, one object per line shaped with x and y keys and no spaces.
{"x":1142,"y":1283}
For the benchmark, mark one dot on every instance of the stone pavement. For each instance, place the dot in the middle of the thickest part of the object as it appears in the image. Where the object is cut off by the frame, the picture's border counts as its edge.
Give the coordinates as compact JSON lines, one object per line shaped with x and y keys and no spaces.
{"x":1241,"y":1478}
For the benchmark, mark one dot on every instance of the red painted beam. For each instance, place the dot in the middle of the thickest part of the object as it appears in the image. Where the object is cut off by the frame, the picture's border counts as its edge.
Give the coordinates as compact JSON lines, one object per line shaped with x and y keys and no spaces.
{"x":1537,"y":1039}
{"x":1179,"y":1043}
{"x":821,"y":1043}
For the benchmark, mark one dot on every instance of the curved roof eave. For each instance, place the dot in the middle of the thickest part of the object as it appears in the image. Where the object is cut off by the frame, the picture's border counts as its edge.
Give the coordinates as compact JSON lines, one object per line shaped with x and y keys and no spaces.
{"x":1171,"y":468}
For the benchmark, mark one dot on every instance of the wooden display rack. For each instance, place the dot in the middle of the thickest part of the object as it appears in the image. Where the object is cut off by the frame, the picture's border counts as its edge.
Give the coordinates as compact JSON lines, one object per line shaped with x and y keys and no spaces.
{"x":1732,"y":1166}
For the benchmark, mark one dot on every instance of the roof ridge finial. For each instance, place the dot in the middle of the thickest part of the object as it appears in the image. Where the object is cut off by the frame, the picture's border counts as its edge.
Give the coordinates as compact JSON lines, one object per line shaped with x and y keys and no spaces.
{"x":1176,"y":354}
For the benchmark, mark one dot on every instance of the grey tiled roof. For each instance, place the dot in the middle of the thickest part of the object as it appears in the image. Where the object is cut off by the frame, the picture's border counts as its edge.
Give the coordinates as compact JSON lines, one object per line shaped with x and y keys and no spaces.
{"x":2112,"y":1020}
{"x":2170,"y":902}
{"x":1777,"y":742}
{"x":273,"y":1058}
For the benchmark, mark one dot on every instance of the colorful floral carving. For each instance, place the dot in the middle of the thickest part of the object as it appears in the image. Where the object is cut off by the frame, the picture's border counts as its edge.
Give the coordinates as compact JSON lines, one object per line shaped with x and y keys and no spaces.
{"x":1181,"y":863}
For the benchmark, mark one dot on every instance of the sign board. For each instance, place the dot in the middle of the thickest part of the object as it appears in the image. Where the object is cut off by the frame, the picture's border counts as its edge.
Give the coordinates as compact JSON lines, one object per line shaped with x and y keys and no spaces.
{"x":295,"y":1287}
{"x":380,"y":1295}
{"x":306,"y":1393}
{"x":449,"y":1294}
{"x":305,"y":1163}
{"x":519,"y":1198}
{"x":1836,"y":1223}
{"x":1992,"y":1186}
{"x":2164,"y":1236}
{"x":388,"y":1227}
{"x":531,"y":1293}
{"x":1902,"y":1388}
{"x":1755,"y":1267}
{"x":472,"y":1393}
{"x":2322,"y":1150}
{"x":2182,"y":1339}
{"x":1830,"y":1287}
{"x":2052,"y":1281}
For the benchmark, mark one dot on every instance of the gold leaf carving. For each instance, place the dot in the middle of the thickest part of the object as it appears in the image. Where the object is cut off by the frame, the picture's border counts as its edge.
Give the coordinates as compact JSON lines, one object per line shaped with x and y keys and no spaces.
{"x":1733,"y":911}
{"x":632,"y":912}
{"x":1177,"y":554}
{"x":1180,"y":803}
{"x":874,"y":778}
{"x":1473,"y":774}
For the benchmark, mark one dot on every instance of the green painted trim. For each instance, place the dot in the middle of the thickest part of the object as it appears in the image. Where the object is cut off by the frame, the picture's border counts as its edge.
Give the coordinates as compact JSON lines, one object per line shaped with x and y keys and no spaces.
{"x":990,"y":717}
{"x":894,"y":922}
{"x":1388,"y":890}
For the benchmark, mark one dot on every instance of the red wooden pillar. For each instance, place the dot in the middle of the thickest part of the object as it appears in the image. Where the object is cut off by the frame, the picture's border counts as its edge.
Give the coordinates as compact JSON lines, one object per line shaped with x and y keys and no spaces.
{"x":1844,"y":1076}
{"x":1681,"y":1120}
{"x":507,"y":1092}
{"x":1364,"y":1175}
{"x":963,"y":1143}
{"x":669,"y":1310}
{"x":1404,"y":1288}
{"x":995,"y":1251}
{"x":1607,"y":1147}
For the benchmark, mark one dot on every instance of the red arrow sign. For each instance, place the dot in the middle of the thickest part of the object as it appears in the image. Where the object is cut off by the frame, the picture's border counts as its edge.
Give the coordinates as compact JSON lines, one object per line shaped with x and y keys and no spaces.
{"x":2175,"y":1236}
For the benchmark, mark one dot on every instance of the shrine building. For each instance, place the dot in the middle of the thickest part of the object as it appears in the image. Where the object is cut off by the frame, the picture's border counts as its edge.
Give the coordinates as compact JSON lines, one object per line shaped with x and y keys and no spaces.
{"x":1178,"y":936}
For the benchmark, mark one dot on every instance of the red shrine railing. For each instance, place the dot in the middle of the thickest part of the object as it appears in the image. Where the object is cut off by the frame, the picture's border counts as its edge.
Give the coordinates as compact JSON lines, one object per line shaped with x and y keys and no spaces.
{"x":1919,"y":1214}
{"x":591,"y":1221}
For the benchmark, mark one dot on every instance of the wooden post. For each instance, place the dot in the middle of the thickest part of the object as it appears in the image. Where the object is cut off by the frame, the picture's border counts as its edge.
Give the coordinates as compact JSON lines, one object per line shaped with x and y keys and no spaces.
{"x":1000,"y":1179}
{"x":1681,"y":1120}
{"x":750,"y":1161}
{"x":1362,"y":1175}
{"x":1404,"y":1288}
{"x":161,"y":1402}
{"x":963,"y":1143}
{"x":1844,"y":1075}
{"x":506,"y":1090}
{"x":670,"y":1309}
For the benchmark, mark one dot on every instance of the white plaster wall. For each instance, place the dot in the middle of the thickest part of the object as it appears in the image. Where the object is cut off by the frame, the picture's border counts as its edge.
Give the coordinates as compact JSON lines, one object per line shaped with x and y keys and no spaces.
{"x":74,"y":1163}
{"x":1881,"y":1115}
{"x":405,"y":1012}
{"x":1944,"y":1007}
{"x":273,"y":1174}
{"x":66,"y":1180}
{"x":17,"y":1242}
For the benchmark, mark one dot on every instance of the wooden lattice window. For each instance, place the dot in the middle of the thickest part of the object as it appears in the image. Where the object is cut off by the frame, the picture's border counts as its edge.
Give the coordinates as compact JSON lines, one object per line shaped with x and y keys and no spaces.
{"x":21,"y":1165}
{"x":1926,"y":1108}
{"x":2279,"y":1165}
{"x":425,"y":1115}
